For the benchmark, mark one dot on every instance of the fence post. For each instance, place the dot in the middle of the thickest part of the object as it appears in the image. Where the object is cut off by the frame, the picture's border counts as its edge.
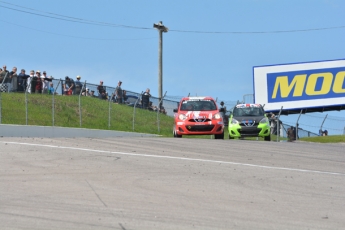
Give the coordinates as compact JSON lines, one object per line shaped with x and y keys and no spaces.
{"x":278,"y":123}
{"x":53,"y":107}
{"x":158,"y":111}
{"x":80,"y":103}
{"x":111,"y":98}
{"x":26,"y":101}
{"x":296,"y":134}
{"x":320,"y":131}
{"x":135,"y":105}
{"x":0,"y":106}
{"x":109,"y":113}
{"x":2,"y":83}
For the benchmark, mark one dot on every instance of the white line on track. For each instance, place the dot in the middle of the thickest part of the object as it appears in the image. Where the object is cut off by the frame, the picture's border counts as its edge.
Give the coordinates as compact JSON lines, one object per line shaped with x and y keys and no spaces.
{"x":178,"y":158}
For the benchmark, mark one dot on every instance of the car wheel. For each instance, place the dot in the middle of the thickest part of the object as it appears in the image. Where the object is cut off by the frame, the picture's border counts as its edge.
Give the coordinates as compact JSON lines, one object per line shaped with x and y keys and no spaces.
{"x":267,"y":138}
{"x":175,"y":134}
{"x":219,"y":136}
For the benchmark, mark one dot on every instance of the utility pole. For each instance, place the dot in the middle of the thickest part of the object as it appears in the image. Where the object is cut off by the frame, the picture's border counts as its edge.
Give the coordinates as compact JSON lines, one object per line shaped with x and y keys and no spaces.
{"x":161,"y":28}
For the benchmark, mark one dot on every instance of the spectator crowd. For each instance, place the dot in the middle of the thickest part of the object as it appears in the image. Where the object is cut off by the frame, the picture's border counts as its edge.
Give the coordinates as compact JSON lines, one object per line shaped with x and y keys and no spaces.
{"x":35,"y":82}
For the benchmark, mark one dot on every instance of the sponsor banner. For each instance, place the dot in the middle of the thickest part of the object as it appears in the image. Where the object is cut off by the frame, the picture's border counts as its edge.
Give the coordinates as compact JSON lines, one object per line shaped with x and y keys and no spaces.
{"x":300,"y":85}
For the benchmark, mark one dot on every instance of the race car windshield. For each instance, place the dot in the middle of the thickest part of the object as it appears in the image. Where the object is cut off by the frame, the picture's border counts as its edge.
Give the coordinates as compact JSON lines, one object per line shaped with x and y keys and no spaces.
{"x":248,"y":111}
{"x":198,"y":105}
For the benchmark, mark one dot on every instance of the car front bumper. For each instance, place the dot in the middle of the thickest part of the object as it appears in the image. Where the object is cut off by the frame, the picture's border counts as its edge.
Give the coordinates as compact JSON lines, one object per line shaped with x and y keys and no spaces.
{"x":200,"y":128}
{"x":262,"y":130}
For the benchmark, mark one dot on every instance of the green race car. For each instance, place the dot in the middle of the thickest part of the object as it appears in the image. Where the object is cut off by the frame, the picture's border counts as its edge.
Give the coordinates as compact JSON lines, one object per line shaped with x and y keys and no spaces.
{"x":249,"y":120}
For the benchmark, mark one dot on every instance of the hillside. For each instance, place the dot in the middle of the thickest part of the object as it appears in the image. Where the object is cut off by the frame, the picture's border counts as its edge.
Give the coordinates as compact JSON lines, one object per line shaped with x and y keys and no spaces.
{"x":94,"y":114}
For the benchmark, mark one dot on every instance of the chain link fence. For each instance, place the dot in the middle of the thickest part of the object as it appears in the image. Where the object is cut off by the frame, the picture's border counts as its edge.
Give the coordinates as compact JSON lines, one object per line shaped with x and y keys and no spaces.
{"x":68,"y":110}
{"x":57,"y":107}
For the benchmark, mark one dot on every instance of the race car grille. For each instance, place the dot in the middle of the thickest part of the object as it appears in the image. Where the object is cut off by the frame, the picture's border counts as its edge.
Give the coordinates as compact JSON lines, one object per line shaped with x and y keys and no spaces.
{"x":249,"y":131}
{"x":249,"y":124}
{"x":199,"y":120}
{"x":198,"y":128}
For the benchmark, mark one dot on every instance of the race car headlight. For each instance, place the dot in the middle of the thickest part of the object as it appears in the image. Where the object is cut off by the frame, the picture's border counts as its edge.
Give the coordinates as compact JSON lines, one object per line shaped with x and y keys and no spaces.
{"x":264,"y":120}
{"x":182,"y":117}
{"x":234,"y":121}
{"x":217,"y":116}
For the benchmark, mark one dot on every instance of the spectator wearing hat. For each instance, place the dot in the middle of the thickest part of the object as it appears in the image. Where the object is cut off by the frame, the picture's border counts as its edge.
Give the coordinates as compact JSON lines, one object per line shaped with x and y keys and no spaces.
{"x":86,"y":92}
{"x":119,"y":93}
{"x":29,"y":81}
{"x":101,"y":91}
{"x":78,"y":85}
{"x":92,"y":94}
{"x":21,"y":81}
{"x":34,"y":80}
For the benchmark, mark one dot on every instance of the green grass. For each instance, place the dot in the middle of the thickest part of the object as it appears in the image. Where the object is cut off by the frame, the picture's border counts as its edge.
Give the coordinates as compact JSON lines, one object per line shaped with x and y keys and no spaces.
{"x":94,"y":114}
{"x":325,"y":139}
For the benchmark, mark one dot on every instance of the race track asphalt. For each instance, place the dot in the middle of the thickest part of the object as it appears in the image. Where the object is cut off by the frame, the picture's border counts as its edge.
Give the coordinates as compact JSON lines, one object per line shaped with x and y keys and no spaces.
{"x":150,"y":183}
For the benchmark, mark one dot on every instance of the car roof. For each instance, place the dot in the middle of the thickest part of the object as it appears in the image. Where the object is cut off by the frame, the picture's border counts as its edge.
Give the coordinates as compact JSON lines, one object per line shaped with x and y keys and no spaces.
{"x":197,"y":98}
{"x":248,"y":105}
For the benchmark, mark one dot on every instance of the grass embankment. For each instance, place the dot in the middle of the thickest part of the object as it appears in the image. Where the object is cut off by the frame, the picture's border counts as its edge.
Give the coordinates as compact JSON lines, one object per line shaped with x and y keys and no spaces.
{"x":94,"y":114}
{"x":325,"y":139}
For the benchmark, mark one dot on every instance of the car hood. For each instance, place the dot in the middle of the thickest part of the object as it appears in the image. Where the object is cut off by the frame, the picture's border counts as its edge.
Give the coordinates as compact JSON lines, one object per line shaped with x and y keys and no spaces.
{"x":199,"y":114}
{"x":249,"y":119}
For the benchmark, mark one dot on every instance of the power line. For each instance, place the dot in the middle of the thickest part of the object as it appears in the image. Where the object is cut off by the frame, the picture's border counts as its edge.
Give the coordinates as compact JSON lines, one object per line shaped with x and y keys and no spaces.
{"x":258,"y":32}
{"x":72,"y":36}
{"x":98,"y":23}
{"x":77,"y":20}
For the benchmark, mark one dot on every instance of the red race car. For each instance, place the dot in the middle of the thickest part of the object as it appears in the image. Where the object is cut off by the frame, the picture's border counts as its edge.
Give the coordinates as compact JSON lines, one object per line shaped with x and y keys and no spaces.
{"x":198,"y":116}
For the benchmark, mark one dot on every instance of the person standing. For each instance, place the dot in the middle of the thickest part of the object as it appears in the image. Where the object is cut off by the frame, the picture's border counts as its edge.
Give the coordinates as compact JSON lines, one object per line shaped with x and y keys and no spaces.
{"x":145,"y":99}
{"x":38,"y":85}
{"x":273,"y":121}
{"x":4,"y":76}
{"x":14,"y":80}
{"x":101,"y":91}
{"x":70,"y":85}
{"x":29,"y":81}
{"x":34,"y":81}
{"x":21,"y":81}
{"x":290,"y":134}
{"x":45,"y":83}
{"x":119,"y":93}
{"x":78,"y":85}
{"x":51,"y":89}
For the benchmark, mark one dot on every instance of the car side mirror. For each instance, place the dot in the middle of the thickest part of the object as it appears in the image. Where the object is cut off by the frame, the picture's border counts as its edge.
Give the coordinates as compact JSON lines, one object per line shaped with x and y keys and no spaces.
{"x":175,"y":110}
